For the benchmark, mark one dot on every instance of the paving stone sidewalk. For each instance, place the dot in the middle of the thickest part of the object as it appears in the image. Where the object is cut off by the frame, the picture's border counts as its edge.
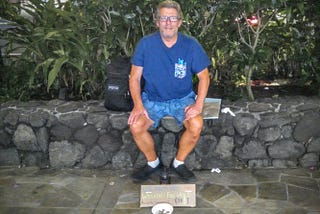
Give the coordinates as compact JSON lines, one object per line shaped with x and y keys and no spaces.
{"x":246,"y":191}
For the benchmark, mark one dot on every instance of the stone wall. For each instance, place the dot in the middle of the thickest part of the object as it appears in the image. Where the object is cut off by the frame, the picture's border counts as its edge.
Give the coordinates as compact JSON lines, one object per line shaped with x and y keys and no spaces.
{"x":278,"y":132}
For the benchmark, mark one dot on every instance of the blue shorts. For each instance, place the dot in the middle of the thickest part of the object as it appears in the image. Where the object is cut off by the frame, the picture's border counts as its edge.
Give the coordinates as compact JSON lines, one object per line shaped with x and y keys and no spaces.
{"x":174,"y":108}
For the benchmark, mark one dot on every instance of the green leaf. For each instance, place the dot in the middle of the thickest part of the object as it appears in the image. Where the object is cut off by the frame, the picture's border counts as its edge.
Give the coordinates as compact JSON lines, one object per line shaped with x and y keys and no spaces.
{"x":301,"y":7}
{"x":289,"y":13}
{"x":52,"y":34}
{"x":78,"y":65}
{"x":59,"y":52}
{"x":45,"y":66}
{"x":55,"y":70}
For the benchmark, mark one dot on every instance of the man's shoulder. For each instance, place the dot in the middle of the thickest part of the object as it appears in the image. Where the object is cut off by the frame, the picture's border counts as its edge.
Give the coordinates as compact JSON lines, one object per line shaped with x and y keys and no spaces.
{"x":188,"y":39}
{"x":147,"y":41}
{"x":150,"y":37}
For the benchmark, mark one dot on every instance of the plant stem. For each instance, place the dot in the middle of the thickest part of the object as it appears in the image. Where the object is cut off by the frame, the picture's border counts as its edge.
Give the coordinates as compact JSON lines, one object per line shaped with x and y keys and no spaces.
{"x":248,"y":82}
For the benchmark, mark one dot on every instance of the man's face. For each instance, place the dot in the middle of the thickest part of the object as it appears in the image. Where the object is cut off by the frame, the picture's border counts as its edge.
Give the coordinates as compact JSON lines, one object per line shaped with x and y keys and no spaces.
{"x":168,"y":23}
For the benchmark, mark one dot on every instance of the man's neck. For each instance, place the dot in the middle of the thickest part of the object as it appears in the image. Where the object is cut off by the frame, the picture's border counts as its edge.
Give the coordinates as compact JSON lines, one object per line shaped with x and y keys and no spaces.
{"x":169,"y":42}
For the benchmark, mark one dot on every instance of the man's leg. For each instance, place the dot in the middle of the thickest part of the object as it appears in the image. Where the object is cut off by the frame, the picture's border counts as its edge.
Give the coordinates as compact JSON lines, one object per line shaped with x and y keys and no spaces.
{"x":187,"y":143}
{"x":190,"y":137}
{"x":145,"y":143}
{"x":143,"y":138}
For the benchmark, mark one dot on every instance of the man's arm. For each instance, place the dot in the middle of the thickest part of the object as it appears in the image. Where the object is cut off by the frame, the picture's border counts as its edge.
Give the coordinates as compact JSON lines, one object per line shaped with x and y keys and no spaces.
{"x":134,"y":84}
{"x":204,"y":81}
{"x":135,"y":91}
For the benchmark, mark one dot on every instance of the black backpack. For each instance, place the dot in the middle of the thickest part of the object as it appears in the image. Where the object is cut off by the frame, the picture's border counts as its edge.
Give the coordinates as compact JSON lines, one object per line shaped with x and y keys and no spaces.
{"x":117,"y":94}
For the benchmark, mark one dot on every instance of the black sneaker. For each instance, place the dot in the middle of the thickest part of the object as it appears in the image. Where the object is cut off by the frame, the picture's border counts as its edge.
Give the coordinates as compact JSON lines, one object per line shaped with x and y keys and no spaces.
{"x":144,"y":173}
{"x":185,"y":173}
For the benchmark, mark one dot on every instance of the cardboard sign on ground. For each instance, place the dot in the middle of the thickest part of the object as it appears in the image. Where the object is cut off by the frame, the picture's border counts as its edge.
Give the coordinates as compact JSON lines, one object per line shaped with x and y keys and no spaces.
{"x":178,"y":195}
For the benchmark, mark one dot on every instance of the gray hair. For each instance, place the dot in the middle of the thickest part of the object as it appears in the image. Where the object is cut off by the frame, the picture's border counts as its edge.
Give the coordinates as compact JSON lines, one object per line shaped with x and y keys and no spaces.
{"x":169,"y":4}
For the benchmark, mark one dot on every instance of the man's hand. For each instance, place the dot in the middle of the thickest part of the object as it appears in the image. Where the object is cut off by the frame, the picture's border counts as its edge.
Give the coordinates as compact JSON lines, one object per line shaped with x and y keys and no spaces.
{"x":136,"y":113}
{"x":192,"y":111}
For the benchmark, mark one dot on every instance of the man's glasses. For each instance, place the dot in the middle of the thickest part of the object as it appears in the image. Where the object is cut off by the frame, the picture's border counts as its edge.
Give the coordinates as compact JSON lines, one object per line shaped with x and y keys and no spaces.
{"x":171,"y":18}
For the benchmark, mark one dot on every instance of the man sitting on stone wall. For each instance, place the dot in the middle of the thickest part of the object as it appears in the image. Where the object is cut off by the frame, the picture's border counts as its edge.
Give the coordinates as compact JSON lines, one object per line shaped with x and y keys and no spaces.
{"x":167,"y":60}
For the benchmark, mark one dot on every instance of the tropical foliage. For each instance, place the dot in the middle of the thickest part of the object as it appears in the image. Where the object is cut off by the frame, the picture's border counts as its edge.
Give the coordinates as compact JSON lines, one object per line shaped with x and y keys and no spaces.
{"x":66,"y":46}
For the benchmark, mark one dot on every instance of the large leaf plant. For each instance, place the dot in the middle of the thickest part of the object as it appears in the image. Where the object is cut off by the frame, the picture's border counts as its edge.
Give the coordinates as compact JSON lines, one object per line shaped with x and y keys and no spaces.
{"x":66,"y":46}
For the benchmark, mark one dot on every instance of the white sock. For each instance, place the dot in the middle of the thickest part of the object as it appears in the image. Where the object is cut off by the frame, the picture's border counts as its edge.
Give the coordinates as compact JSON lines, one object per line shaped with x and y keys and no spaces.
{"x":177,"y":163}
{"x":154,"y":163}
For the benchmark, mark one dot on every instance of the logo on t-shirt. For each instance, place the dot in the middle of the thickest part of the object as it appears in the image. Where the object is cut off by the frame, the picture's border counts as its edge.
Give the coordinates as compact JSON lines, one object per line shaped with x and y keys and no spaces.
{"x":180,"y":69}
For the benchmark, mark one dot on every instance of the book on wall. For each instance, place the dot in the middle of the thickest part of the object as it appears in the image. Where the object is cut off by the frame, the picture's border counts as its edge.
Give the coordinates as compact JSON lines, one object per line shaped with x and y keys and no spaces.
{"x":211,"y":108}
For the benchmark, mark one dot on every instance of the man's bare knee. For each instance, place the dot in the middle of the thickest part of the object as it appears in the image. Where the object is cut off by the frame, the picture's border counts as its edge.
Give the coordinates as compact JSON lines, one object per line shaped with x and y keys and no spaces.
{"x":194,"y":126}
{"x":139,"y":127}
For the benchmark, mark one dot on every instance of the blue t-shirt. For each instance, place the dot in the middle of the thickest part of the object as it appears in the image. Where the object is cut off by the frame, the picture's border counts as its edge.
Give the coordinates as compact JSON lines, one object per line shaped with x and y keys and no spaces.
{"x":168,"y":71}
